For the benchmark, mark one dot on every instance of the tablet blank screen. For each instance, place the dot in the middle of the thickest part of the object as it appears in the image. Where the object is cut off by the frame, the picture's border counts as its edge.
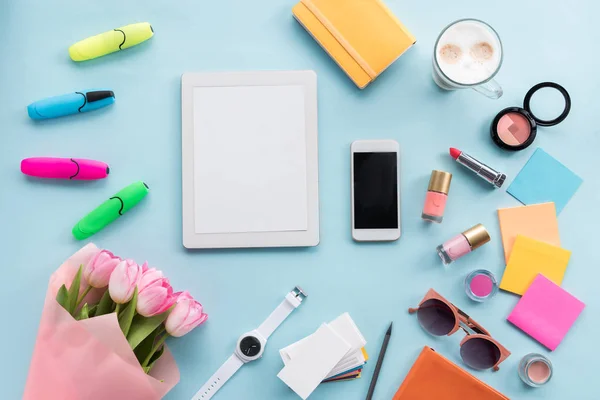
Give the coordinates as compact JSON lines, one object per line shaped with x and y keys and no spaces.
{"x":250,"y":159}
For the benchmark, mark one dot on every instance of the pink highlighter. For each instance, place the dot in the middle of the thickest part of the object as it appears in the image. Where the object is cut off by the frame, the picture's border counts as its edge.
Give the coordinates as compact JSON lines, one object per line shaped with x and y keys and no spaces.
{"x":64,"y":168}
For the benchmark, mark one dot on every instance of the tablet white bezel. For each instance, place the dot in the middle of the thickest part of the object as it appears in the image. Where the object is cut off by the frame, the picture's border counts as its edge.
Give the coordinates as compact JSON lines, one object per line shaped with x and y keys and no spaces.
{"x":193,"y":240}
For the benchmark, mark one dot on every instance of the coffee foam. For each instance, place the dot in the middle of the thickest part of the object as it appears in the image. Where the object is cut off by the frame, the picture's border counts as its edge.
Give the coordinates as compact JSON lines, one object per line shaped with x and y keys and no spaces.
{"x":468,"y":52}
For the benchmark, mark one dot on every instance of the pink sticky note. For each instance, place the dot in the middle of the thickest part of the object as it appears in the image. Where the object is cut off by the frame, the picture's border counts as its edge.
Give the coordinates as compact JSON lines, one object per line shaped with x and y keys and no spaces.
{"x":546,"y":312}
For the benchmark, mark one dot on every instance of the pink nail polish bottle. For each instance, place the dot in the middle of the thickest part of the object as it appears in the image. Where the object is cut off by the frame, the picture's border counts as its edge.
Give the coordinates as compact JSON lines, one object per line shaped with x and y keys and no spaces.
{"x":463,"y":243}
{"x":437,"y":194}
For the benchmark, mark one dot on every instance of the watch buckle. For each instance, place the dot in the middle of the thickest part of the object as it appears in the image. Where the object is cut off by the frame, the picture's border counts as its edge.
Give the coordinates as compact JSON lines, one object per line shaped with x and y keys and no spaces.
{"x":299,"y":293}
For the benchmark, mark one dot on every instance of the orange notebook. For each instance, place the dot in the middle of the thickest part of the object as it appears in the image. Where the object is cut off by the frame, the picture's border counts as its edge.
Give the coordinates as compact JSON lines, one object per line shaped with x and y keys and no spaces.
{"x":362,"y":36}
{"x":434,"y":377}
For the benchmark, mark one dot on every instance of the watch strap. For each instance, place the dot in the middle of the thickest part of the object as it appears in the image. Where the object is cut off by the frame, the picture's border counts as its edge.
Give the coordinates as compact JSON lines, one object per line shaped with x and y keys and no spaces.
{"x":219,"y":378}
{"x":292,"y":300}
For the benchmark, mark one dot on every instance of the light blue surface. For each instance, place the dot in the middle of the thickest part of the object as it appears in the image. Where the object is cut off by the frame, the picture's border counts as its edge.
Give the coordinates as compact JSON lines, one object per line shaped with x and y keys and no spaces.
{"x":544,"y":179}
{"x":140,"y":138}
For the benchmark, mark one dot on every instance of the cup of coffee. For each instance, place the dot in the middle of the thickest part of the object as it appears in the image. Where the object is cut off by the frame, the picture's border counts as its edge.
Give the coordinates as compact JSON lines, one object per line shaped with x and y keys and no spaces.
{"x":468,"y":54}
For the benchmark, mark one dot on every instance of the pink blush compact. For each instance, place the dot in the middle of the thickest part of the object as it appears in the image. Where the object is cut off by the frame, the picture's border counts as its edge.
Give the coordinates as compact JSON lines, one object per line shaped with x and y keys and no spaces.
{"x":515,"y":128}
{"x":480,"y":285}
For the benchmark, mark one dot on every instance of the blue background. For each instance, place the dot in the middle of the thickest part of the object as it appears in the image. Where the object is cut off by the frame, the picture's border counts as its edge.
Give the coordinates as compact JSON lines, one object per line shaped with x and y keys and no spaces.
{"x":140,"y":137}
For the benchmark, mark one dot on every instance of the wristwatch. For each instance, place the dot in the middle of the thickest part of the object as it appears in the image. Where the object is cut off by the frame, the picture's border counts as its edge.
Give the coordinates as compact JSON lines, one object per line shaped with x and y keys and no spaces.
{"x":251,"y":345}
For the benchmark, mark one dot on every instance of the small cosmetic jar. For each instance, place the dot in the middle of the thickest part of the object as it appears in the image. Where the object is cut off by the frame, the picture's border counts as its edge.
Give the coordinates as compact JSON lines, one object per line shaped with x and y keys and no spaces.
{"x":481,"y":285}
{"x":535,"y":370}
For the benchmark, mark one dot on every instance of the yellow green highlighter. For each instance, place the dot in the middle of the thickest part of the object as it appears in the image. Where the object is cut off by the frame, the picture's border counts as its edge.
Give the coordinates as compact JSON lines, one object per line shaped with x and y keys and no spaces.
{"x":110,"y":210}
{"x":111,"y":41}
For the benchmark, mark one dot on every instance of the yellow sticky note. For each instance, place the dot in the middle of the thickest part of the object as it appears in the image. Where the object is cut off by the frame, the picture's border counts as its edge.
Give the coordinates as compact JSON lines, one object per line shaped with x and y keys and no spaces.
{"x":537,"y":221}
{"x":529,"y":258}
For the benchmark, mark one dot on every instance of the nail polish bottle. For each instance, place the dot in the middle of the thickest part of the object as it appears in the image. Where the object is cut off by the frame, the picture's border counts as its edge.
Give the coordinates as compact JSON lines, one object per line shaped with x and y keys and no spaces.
{"x":437,"y":194}
{"x":463,"y":243}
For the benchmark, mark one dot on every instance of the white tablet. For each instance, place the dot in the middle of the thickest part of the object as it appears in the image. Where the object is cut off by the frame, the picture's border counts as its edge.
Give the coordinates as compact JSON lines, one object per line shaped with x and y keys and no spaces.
{"x":250,"y":159}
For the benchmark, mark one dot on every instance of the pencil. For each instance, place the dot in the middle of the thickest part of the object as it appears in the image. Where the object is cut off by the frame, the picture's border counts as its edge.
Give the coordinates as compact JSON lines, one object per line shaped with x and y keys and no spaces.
{"x":384,"y":346}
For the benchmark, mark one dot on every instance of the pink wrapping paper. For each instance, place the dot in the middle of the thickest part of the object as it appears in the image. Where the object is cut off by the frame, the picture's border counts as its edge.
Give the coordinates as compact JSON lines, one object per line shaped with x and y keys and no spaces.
{"x":89,"y":359}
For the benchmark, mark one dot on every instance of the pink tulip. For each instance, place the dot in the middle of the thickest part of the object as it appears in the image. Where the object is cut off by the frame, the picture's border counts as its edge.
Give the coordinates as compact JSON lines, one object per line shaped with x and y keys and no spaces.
{"x":186,"y":315}
{"x":97,"y":271}
{"x":182,"y":295}
{"x":145,"y":266}
{"x":155,"y":293}
{"x":123,"y":281}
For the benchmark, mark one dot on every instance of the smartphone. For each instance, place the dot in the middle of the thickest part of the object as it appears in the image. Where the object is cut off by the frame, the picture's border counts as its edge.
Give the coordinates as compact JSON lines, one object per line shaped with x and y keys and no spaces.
{"x":375,"y":190}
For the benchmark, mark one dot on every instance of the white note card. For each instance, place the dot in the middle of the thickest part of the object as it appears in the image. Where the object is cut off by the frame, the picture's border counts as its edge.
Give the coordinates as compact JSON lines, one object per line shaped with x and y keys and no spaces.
{"x":344,"y":326}
{"x":322,"y":351}
{"x":250,"y":168}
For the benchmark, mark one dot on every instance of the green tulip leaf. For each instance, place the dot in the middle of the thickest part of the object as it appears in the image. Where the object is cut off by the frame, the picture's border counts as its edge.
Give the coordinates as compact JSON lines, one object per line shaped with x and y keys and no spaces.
{"x":92,"y":311}
{"x":84,"y":313}
{"x":62,"y":296}
{"x":105,"y":306}
{"x":157,"y":355}
{"x":143,"y":349}
{"x":154,"y":359}
{"x":126,"y":316}
{"x":74,"y":292}
{"x":141,"y":327}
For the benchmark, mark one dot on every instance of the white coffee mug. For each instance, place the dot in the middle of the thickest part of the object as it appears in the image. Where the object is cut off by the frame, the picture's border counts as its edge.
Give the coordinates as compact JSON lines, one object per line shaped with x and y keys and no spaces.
{"x":468,"y":54}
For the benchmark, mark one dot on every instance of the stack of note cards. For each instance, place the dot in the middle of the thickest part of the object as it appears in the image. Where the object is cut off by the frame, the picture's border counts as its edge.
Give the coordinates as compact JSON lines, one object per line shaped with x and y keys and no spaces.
{"x":362,"y":36}
{"x":334,"y":352}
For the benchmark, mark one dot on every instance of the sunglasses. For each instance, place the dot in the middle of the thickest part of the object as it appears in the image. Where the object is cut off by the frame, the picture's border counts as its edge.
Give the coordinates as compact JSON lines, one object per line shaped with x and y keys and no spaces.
{"x":439,"y":317}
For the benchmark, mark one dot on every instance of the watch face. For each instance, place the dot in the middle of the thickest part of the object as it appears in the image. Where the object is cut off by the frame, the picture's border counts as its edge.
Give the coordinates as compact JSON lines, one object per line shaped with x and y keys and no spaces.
{"x":250,"y":346}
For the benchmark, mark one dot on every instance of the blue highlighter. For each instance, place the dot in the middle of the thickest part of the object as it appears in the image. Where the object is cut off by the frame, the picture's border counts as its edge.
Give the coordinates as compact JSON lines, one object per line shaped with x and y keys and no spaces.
{"x":72,"y":103}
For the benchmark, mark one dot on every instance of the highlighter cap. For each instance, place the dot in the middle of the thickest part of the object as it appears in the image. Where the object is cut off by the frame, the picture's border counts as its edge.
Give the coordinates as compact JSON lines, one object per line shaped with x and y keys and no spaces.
{"x":439,"y":181}
{"x":477,"y":236}
{"x":136,"y":34}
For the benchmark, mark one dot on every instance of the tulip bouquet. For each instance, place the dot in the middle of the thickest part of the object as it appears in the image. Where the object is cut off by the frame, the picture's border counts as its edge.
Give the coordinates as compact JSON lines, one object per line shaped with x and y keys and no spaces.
{"x":143,"y":300}
{"x":103,"y":330}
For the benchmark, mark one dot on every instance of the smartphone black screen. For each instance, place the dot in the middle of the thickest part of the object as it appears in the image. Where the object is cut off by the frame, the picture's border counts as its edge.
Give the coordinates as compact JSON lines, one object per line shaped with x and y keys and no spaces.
{"x":375,"y":190}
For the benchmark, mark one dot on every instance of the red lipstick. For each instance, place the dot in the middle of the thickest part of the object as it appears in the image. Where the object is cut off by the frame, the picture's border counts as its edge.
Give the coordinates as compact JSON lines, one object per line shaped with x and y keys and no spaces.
{"x":483,"y":171}
{"x":454,"y":152}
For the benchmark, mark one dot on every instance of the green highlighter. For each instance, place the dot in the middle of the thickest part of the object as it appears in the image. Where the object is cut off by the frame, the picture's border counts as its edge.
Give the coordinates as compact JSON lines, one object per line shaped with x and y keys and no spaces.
{"x":110,"y":210}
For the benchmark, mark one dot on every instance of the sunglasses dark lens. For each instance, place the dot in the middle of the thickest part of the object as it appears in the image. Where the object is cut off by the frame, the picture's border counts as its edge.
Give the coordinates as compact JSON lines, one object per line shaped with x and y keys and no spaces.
{"x":436,"y":317}
{"x":479,"y":353}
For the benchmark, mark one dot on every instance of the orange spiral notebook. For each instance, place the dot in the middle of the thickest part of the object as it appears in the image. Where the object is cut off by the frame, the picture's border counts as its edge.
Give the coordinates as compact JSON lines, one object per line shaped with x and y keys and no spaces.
{"x":362,"y":36}
{"x":434,"y":377}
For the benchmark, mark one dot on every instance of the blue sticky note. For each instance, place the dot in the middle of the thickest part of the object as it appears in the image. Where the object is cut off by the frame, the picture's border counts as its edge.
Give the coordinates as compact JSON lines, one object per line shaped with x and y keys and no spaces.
{"x":544,"y":179}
